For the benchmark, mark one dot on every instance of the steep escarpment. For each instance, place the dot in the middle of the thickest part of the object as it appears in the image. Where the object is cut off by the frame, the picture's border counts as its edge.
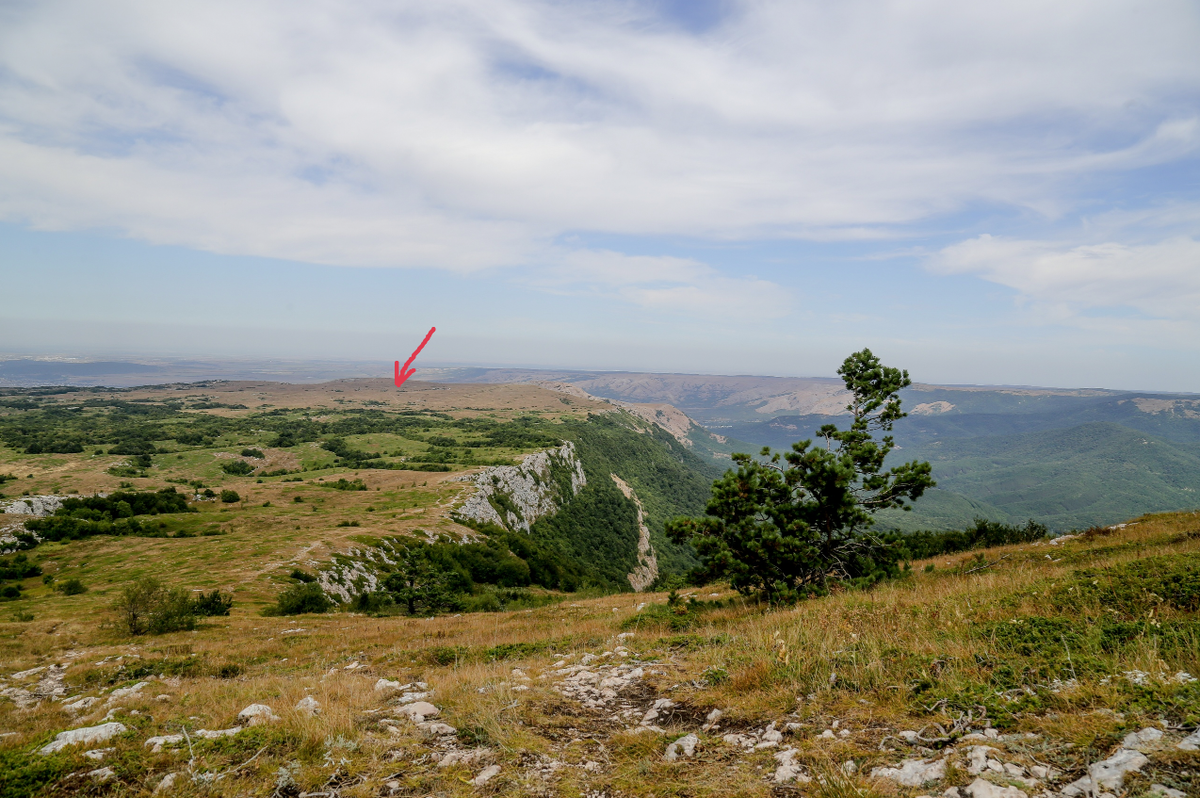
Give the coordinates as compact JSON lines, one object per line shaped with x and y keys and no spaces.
{"x":514,"y":497}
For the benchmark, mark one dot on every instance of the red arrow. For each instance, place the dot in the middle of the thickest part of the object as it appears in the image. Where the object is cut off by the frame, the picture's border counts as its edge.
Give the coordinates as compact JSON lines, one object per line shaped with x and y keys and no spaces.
{"x":403,"y":374}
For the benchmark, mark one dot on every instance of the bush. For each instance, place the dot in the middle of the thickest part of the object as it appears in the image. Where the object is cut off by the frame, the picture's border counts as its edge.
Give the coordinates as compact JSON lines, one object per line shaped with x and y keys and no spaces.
{"x":302,"y":576}
{"x":212,"y":604}
{"x":149,"y":607}
{"x":984,"y":534}
{"x":302,"y":598}
{"x":255,"y":453}
{"x":347,"y":484}
{"x":238,"y":468}
{"x":71,"y":587}
{"x":230,"y":496}
{"x":18,"y":567}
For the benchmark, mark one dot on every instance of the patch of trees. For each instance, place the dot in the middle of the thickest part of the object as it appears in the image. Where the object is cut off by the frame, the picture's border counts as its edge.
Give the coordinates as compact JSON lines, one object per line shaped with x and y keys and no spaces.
{"x":984,"y":534}
{"x":114,"y":514}
{"x":237,"y":468}
{"x":150,"y":607}
{"x":15,"y":569}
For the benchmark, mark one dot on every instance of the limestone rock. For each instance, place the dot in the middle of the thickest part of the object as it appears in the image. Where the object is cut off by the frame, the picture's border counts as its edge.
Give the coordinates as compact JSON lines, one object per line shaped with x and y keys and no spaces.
{"x":309,"y":706}
{"x":418,"y":711}
{"x":1166,"y":792}
{"x":387,"y":686}
{"x":788,"y":770}
{"x":529,"y":486}
{"x":216,"y":734}
{"x":486,"y":775}
{"x":122,"y":693}
{"x":167,"y":782}
{"x":464,"y":757}
{"x":913,"y":772}
{"x":87,"y":734}
{"x":256,"y":715}
{"x":1107,"y":775}
{"x":985,"y":789}
{"x":156,"y":743}
{"x":1191,"y":742}
{"x":1145,"y":740}
{"x":102,"y":774}
{"x":684,"y":745}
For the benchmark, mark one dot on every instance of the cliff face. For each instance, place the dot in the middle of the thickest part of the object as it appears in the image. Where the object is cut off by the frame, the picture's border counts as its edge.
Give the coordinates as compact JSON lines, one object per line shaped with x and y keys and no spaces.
{"x":646,"y":571}
{"x":516,"y":496}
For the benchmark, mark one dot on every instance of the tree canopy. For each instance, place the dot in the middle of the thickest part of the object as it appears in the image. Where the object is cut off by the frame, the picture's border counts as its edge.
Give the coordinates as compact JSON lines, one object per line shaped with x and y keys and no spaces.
{"x":790,"y":528}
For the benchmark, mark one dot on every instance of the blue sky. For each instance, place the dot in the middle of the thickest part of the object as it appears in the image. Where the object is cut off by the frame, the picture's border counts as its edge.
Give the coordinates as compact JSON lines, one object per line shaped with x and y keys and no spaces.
{"x":982,"y":194}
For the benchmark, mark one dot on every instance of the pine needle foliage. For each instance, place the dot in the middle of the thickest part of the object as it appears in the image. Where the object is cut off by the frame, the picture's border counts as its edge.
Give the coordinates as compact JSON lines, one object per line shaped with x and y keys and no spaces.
{"x":792,"y":528}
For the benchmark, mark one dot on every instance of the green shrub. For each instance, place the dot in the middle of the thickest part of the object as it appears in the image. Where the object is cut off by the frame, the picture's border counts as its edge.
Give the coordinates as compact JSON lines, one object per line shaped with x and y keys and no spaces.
{"x":302,"y":576}
{"x":347,"y":484}
{"x":238,"y":468}
{"x":71,"y":587}
{"x":255,"y":453}
{"x":18,"y":567}
{"x":149,"y":607}
{"x":230,"y":496}
{"x":302,"y":598}
{"x":212,"y":604}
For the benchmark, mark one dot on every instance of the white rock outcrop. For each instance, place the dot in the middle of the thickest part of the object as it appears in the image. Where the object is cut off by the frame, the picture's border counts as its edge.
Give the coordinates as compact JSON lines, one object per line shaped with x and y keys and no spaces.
{"x":684,"y":746}
{"x":308,"y":706}
{"x":529,"y":487}
{"x":913,"y":772}
{"x":985,"y":789}
{"x":256,"y":715}
{"x":87,"y":734}
{"x":647,"y":568}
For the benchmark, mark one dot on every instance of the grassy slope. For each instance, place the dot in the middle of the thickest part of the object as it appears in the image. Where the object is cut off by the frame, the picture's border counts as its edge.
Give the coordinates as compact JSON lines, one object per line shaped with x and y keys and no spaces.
{"x":900,"y":657}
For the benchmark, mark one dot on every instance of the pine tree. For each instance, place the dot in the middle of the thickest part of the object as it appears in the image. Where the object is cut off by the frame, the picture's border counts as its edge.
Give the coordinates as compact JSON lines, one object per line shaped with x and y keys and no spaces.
{"x":790,"y":530}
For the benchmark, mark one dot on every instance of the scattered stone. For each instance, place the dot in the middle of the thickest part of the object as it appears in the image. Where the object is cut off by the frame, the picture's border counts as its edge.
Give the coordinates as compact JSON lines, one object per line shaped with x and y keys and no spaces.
{"x":788,"y":770}
{"x":167,"y":782}
{"x":418,"y":711}
{"x":1145,"y":740}
{"x":408,"y":698}
{"x":1166,"y":792}
{"x":122,"y":693}
{"x":913,"y":772}
{"x":684,"y":745}
{"x":985,"y":789}
{"x":87,"y":734}
{"x":978,"y":759}
{"x":308,"y":706}
{"x":157,"y":743}
{"x":849,"y":767}
{"x":162,"y":697}
{"x":1190,"y":743}
{"x":710,"y":720}
{"x":486,"y":775}
{"x":98,"y":753}
{"x":437,"y":729}
{"x":81,"y":704}
{"x":256,"y":715}
{"x":387,"y":686}
{"x":102,"y":774}
{"x":1107,"y":775}
{"x":908,"y":736}
{"x":464,"y":757}
{"x":219,"y":733}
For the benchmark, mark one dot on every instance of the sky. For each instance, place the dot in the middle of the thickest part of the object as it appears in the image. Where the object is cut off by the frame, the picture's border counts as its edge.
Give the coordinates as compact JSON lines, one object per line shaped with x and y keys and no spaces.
{"x":1001,"y":193}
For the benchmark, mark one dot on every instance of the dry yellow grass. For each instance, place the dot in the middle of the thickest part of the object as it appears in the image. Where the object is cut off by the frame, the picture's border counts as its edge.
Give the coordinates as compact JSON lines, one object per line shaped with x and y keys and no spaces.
{"x":854,"y":658}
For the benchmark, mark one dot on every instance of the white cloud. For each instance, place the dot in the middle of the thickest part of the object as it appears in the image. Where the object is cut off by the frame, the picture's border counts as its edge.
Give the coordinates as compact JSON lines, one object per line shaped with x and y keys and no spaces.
{"x":1161,"y":280}
{"x":664,"y":283}
{"x":461,"y":134}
